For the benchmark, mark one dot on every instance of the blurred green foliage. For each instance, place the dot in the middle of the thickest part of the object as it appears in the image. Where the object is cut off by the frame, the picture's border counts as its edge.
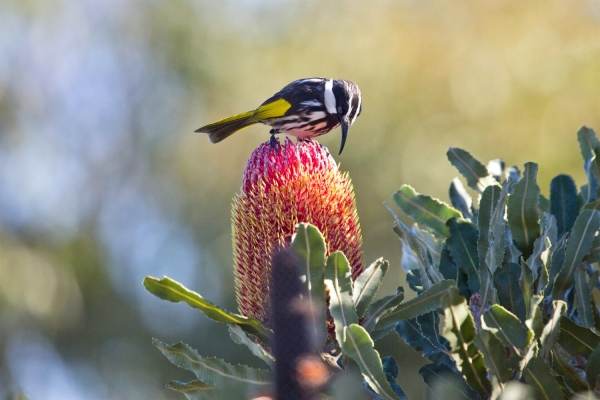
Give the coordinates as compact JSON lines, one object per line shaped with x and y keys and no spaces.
{"x":102,"y":181}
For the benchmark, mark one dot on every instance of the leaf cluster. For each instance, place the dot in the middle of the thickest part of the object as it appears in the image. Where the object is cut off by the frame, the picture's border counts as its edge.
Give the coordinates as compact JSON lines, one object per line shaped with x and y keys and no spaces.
{"x":505,"y":303}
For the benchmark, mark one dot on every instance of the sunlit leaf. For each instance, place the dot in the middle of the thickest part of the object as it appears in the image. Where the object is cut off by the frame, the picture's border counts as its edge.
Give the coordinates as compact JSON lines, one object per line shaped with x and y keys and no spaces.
{"x":214,"y":371}
{"x":487,"y":205}
{"x":309,"y":245}
{"x":170,"y":290}
{"x":534,"y":320}
{"x":495,"y":356}
{"x":194,"y":390}
{"x":526,"y":284}
{"x":425,"y":210}
{"x":367,"y":284}
{"x":508,"y":328}
{"x":429,"y":300}
{"x":240,"y":337}
{"x":476,"y":174}
{"x":551,"y":330}
{"x":522,"y":213}
{"x":459,"y":329}
{"x":338,"y":279}
{"x":359,"y":346}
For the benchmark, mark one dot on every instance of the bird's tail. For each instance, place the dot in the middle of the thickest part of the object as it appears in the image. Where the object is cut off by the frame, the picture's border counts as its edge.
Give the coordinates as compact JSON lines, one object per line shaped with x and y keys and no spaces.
{"x":226,"y":127}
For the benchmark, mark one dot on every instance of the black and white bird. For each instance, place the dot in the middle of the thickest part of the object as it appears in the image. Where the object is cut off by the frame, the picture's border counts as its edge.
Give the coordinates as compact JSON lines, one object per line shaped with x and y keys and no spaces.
{"x":305,"y":108}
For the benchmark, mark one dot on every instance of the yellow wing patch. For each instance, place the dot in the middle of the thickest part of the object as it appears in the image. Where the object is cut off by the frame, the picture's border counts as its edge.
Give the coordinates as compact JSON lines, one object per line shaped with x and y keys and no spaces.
{"x":274,"y":109}
{"x":224,"y":121}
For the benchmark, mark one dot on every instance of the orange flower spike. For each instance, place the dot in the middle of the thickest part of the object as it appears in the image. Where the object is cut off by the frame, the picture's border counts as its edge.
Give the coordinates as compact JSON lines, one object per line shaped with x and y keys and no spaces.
{"x":299,"y":182}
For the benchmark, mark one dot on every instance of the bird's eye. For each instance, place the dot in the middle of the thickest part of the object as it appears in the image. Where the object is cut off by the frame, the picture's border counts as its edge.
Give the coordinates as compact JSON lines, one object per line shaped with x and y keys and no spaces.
{"x":340,"y":110}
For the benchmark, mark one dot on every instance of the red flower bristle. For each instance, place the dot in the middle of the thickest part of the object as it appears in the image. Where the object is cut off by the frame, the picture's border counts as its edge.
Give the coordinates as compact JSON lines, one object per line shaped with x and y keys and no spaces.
{"x":298,"y":182}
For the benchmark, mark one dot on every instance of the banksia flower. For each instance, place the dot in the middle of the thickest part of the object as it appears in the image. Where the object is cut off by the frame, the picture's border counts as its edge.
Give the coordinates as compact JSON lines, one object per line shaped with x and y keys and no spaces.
{"x":298,"y":182}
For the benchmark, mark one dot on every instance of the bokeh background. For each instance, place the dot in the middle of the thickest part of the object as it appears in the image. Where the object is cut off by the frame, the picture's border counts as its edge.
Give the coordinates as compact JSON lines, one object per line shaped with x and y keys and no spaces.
{"x":102,"y":181}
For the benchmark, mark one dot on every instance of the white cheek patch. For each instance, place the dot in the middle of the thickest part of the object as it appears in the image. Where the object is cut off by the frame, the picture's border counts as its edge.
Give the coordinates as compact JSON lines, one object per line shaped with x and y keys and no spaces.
{"x":357,"y":109}
{"x":349,"y":112}
{"x":330,"y":98}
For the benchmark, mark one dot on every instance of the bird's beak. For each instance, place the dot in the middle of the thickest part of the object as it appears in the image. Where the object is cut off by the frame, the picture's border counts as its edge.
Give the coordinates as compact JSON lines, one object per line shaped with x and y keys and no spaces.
{"x":345,"y":125}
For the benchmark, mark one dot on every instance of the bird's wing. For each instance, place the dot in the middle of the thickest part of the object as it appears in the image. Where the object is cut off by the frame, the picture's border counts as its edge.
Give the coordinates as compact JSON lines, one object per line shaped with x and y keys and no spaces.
{"x":274,"y":108}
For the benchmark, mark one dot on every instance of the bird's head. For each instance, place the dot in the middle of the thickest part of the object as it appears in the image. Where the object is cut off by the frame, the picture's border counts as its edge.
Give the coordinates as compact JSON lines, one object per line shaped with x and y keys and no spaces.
{"x":343,"y":99}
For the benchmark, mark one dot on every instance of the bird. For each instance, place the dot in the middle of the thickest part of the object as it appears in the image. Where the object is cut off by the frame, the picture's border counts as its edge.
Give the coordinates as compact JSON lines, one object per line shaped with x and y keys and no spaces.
{"x":305,"y":108}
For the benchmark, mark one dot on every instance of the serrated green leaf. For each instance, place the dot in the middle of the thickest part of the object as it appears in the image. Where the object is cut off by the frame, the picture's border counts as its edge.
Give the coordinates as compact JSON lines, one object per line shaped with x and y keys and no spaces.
{"x":416,"y":256}
{"x":446,"y":383}
{"x":594,"y":255}
{"x":459,"y":329}
{"x":537,"y":374}
{"x":497,"y":231}
{"x":421,"y":333}
{"x":576,"y":339}
{"x":506,"y":279}
{"x":535,"y":320}
{"x":495,"y":356}
{"x":214,"y":371}
{"x":556,"y":261}
{"x":592,"y":370}
{"x":587,"y":142}
{"x":579,"y":245}
{"x":240,"y":337}
{"x":526,"y":284}
{"x":476,"y":174}
{"x":522,"y":211}
{"x":194,"y":390}
{"x":425,"y":210}
{"x":359,"y":346}
{"x":427,"y":301}
{"x":540,"y":245}
{"x":463,"y":249}
{"x":563,"y":202}
{"x":338,"y":279}
{"x":460,"y":199}
{"x":561,"y":364}
{"x":390,"y":368}
{"x":487,"y":205}
{"x":512,"y":253}
{"x":432,"y":243}
{"x":584,"y":298}
{"x":508,"y":328}
{"x":367,"y":284}
{"x":170,"y":290}
{"x":309,"y":245}
{"x":551,"y":330}
{"x":380,"y":308}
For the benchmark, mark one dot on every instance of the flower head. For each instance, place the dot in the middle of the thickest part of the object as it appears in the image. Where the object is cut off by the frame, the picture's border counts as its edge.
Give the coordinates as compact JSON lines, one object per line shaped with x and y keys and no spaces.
{"x":298,"y":182}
